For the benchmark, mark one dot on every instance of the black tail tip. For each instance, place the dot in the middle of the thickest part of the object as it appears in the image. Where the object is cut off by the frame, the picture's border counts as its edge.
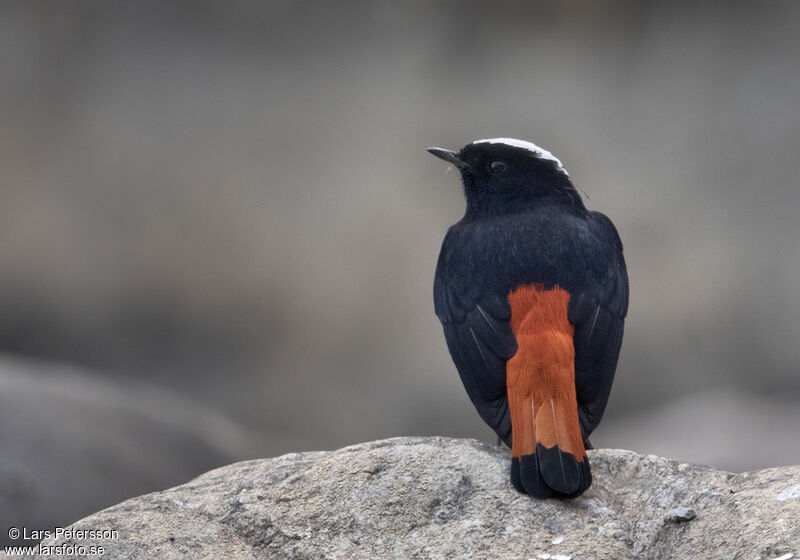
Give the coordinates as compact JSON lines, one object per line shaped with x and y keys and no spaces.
{"x":550,"y":473}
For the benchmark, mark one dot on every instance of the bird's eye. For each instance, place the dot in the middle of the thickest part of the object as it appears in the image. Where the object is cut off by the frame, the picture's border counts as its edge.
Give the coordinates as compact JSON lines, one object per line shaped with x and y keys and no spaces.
{"x":497,"y":167}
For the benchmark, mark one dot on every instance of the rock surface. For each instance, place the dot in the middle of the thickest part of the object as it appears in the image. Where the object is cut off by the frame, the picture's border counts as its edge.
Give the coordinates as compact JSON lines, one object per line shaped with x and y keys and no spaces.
{"x":448,"y":498}
{"x":73,"y":442}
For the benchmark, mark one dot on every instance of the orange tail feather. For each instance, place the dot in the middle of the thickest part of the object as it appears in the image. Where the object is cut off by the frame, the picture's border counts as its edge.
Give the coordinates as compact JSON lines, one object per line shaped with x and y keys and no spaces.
{"x":548,"y":455}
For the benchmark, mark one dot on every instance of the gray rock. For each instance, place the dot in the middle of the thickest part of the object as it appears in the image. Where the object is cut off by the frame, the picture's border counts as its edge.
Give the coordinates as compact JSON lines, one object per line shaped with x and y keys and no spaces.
{"x":724,"y":428}
{"x":447,"y":498}
{"x":73,"y":442}
{"x":679,"y":514}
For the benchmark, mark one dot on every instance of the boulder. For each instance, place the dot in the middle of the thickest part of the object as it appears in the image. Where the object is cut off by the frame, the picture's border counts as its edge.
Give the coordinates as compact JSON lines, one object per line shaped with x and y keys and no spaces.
{"x":724,"y":428}
{"x":447,"y":498}
{"x":73,"y":441}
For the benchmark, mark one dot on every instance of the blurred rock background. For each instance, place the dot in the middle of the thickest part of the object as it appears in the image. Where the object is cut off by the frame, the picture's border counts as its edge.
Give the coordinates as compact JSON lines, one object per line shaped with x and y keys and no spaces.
{"x":231,"y":202}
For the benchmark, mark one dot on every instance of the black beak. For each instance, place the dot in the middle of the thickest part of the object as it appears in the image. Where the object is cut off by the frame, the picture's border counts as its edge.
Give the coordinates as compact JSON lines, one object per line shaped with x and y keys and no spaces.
{"x":447,"y":155}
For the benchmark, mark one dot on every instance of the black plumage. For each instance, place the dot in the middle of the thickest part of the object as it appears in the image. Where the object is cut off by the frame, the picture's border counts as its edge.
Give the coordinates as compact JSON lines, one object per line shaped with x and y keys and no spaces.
{"x":525,"y":224}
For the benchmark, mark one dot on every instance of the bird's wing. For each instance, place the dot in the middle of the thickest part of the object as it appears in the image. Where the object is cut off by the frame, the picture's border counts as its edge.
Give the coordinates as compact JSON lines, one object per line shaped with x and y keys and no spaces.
{"x":597,"y":311}
{"x":480,"y":340}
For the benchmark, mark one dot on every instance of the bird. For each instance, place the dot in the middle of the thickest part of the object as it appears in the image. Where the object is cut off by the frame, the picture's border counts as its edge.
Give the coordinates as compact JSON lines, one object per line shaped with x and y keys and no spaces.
{"x":531,"y":289}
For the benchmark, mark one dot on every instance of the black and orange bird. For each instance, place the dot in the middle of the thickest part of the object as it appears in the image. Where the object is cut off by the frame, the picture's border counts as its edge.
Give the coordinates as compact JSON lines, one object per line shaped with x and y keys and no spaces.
{"x":532,"y":291}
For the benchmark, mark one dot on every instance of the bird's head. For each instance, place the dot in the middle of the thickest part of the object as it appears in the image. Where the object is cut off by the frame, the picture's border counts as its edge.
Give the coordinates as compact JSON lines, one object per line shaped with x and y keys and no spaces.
{"x":504,"y":174}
